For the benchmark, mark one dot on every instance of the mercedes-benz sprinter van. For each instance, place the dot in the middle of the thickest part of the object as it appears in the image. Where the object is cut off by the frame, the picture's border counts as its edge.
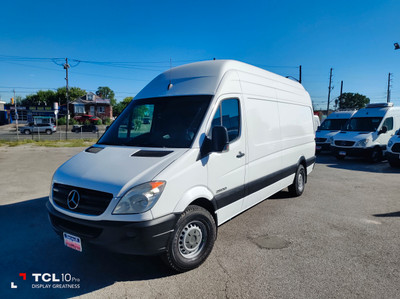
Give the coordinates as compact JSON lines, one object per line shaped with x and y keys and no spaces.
{"x":367,"y":133}
{"x":330,"y":127}
{"x":198,"y":145}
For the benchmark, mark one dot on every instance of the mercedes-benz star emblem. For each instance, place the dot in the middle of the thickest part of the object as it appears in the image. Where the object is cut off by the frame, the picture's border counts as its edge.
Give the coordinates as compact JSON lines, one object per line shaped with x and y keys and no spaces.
{"x":73,"y":199}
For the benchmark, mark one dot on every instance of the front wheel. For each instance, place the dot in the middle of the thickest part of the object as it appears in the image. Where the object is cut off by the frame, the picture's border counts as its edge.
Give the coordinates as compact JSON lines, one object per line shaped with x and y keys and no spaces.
{"x":49,"y":132}
{"x":394,"y":163}
{"x":297,"y":188}
{"x":376,"y":155}
{"x":27,"y":132}
{"x":192,"y":240}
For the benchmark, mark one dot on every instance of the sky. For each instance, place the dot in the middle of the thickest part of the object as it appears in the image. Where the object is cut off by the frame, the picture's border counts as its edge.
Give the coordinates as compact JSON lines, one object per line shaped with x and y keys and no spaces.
{"x":124,"y":44}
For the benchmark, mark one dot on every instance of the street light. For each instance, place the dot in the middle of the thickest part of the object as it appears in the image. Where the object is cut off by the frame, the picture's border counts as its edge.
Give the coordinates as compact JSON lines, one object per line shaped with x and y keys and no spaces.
{"x":396,"y":46}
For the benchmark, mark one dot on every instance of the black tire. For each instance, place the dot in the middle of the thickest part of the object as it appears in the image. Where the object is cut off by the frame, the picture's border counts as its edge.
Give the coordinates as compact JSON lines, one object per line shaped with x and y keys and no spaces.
{"x":394,"y":164}
{"x":49,"y":132}
{"x":27,"y":132}
{"x":376,"y":155}
{"x":192,"y":240}
{"x":299,"y":183}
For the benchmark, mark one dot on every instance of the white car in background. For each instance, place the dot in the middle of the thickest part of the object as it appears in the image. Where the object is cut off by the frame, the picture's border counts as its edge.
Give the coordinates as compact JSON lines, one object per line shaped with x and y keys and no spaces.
{"x":368,"y":132}
{"x":393,"y":150}
{"x":330,"y":127}
{"x":38,"y":128}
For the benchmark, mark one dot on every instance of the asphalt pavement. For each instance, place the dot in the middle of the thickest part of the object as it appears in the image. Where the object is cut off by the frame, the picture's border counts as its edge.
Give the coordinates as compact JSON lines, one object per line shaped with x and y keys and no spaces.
{"x":340,"y":239}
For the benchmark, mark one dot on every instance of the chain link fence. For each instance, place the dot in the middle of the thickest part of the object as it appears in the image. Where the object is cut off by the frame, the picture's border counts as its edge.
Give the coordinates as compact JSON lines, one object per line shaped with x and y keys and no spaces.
{"x":10,"y":133}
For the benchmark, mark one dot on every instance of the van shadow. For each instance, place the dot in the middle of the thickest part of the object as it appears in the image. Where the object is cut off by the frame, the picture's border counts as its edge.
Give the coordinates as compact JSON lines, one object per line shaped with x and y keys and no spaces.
{"x":357,"y":164}
{"x":394,"y":214}
{"x":281,"y":195}
{"x":29,"y":245}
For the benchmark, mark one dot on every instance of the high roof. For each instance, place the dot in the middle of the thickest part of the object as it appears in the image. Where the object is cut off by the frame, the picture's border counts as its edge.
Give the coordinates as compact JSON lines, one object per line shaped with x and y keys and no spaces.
{"x":202,"y":78}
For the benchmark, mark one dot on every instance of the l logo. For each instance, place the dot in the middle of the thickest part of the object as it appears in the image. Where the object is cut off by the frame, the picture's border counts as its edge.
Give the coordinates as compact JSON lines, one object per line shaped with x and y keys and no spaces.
{"x":73,"y":199}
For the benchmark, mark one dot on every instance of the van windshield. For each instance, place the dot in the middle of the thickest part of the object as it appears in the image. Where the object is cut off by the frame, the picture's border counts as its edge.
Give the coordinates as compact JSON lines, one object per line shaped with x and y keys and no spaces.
{"x":365,"y":124}
{"x":158,"y":122}
{"x":333,"y":124}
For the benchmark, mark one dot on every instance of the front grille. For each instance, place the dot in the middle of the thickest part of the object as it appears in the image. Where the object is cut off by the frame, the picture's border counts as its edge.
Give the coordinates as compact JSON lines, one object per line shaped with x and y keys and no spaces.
{"x":396,"y":148}
{"x":344,"y":143}
{"x":320,"y":139}
{"x":91,"y":202}
{"x":75,"y":228}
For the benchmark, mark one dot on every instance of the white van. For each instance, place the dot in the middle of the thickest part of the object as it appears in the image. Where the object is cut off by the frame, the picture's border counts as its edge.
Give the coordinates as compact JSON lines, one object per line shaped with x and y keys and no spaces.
{"x":198,"y":145}
{"x":330,"y":127}
{"x":393,"y":150}
{"x":367,"y":133}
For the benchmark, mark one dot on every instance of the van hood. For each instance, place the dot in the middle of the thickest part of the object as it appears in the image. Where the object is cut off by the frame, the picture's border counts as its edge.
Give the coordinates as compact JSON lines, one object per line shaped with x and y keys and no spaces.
{"x":325,"y":133}
{"x":115,"y":169}
{"x":353,"y":136}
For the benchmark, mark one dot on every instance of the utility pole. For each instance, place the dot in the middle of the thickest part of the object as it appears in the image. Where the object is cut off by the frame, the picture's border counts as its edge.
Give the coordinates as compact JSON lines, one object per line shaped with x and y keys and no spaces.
{"x":329,"y":92}
{"x":300,"y":74}
{"x":341,"y":88}
{"x":16,"y":115}
{"x":66,"y":67}
{"x":388,"y":90}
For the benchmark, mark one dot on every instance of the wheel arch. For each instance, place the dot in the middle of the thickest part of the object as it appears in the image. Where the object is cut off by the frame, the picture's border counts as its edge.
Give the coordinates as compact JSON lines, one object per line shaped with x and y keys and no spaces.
{"x":200,"y":196}
{"x":302,"y":161}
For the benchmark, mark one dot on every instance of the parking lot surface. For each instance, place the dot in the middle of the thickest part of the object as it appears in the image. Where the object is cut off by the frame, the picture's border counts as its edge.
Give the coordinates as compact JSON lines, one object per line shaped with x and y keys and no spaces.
{"x":340,"y":239}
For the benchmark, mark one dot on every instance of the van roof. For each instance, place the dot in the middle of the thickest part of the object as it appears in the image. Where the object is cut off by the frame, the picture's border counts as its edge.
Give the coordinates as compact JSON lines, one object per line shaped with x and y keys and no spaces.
{"x":379,"y":111}
{"x":202,"y":78}
{"x":341,"y":114}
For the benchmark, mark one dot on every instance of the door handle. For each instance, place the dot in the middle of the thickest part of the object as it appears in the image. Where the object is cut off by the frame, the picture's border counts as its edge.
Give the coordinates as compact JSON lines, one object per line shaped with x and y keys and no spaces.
{"x":239,"y":155}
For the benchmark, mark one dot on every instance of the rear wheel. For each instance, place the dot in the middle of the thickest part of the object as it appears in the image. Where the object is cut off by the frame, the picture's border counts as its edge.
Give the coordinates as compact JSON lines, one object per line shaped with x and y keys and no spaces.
{"x":297,"y":188}
{"x":192,"y":240}
{"x":49,"y":132}
{"x":27,"y":132}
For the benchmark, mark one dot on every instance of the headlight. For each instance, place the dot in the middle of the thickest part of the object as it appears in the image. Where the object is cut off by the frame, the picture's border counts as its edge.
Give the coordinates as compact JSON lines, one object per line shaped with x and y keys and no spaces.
{"x":390,"y":143}
{"x":140,"y":198}
{"x":362,"y":142}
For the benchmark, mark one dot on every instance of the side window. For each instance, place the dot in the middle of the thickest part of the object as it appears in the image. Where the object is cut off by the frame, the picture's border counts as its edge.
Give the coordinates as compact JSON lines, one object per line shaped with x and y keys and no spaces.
{"x":388,"y":123}
{"x":228,"y":115}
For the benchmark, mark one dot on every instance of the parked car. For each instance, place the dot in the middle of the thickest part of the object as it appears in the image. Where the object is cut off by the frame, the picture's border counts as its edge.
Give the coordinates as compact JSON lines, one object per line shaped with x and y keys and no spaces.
{"x":367,"y":132}
{"x":86,"y":117}
{"x":38,"y":128}
{"x":393,"y":150}
{"x":85,"y":128}
{"x":329,"y":128}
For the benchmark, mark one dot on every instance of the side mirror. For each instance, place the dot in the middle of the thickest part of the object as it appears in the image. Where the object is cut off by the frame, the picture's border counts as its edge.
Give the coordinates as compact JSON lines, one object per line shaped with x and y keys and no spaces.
{"x":383,"y":130}
{"x":219,"y":139}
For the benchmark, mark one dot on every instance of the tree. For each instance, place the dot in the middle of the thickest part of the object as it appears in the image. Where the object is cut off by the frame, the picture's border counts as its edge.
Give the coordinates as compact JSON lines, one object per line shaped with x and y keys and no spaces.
{"x":118,"y":107}
{"x":74,"y":93}
{"x":42,"y":97}
{"x":350,"y":100}
{"x":48,"y":97}
{"x":107,"y":93}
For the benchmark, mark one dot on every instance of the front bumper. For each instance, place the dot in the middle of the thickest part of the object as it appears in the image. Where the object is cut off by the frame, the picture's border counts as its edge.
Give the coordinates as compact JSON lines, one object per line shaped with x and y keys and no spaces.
{"x":351,"y":151}
{"x":323,"y":146}
{"x":137,"y":238}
